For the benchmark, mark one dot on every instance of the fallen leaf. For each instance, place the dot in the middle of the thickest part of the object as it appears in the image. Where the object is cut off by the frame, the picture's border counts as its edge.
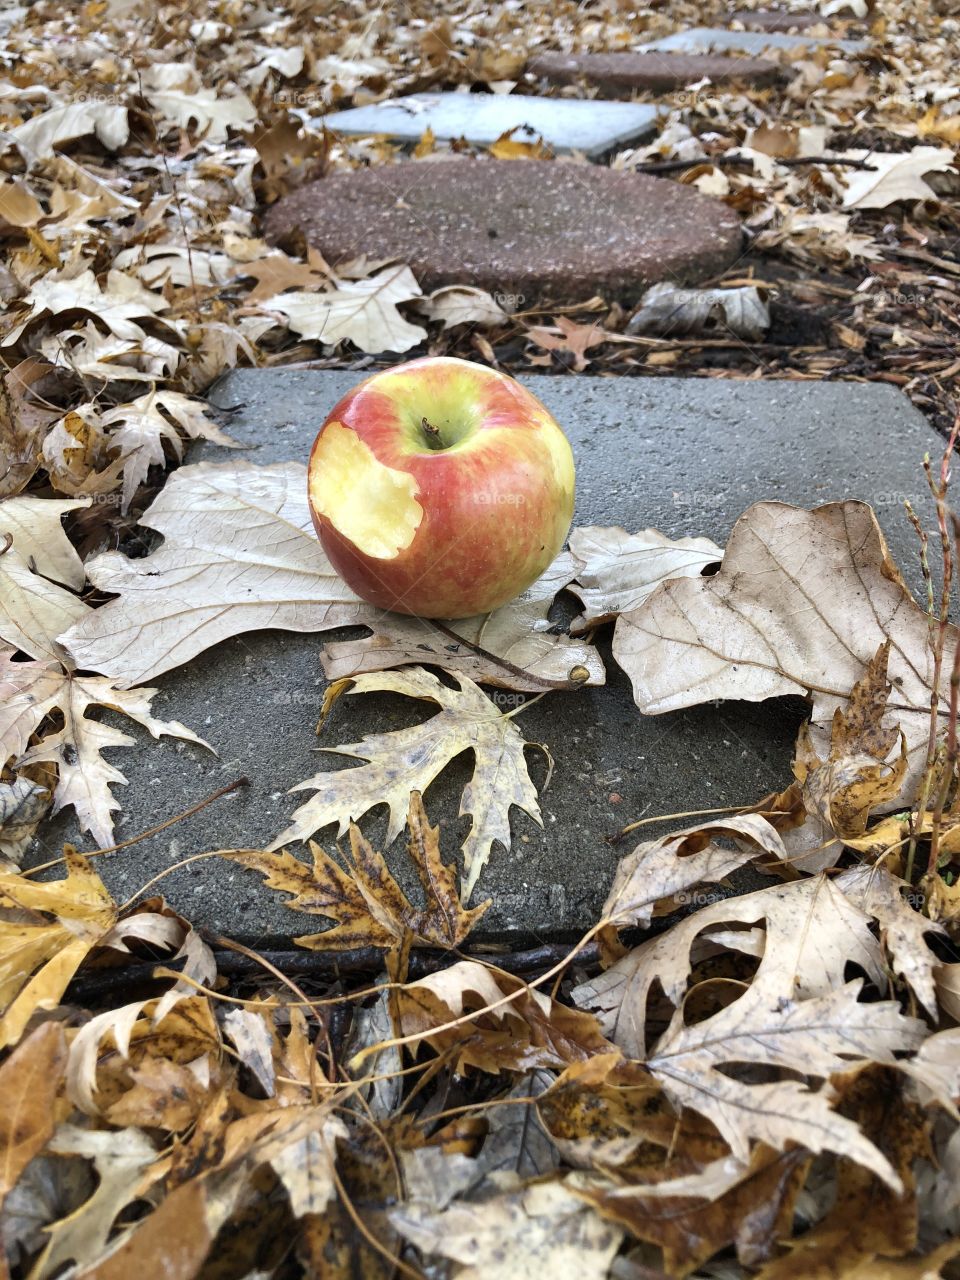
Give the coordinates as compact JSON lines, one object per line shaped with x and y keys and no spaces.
{"x":364,"y":900}
{"x":213,"y":115}
{"x":194,"y":590}
{"x":568,"y":336}
{"x":667,"y":309}
{"x":30,"y":1081}
{"x":250,"y":1035}
{"x":801,"y":603}
{"x":37,"y":137}
{"x":461,"y":304}
{"x":276,"y":272}
{"x":35,"y":526}
{"x":507,"y":147}
{"x":22,"y":804}
{"x":521,"y":633}
{"x":362,"y":311}
{"x":539,"y":1230}
{"x":616,"y":570}
{"x":409,"y":759}
{"x":119,"y":305}
{"x":895,"y":176}
{"x":31,"y":691}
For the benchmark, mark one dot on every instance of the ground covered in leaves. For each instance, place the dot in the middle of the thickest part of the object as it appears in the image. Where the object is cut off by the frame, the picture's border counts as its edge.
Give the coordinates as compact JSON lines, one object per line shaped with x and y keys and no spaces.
{"x":706,"y":1084}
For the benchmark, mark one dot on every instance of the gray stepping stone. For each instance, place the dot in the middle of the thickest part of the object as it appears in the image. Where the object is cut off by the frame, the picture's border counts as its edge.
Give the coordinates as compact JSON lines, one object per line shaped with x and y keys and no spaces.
{"x":650,"y":72}
{"x":775,"y":20}
{"x":686,"y":455}
{"x":567,"y":125}
{"x":532,"y":230}
{"x":712,"y":40}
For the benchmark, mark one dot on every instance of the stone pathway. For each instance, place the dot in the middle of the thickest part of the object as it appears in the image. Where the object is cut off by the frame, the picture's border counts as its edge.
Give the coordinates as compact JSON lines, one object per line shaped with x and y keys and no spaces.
{"x":565,"y":124}
{"x":775,"y":20}
{"x":716,"y":39}
{"x":525,"y":231}
{"x":650,"y":72}
{"x":684,"y":455}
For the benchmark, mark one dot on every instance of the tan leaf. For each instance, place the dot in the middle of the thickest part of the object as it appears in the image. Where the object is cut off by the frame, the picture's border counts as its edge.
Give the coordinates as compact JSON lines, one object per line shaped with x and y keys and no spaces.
{"x":670,"y":309}
{"x":35,"y":526}
{"x":895,"y":176}
{"x":31,"y":691}
{"x":568,"y":336}
{"x":507,"y":147}
{"x":30,"y":1081}
{"x":213,"y":115}
{"x":801,"y":604}
{"x":408,"y":760}
{"x":462,"y":304}
{"x":368,"y":906}
{"x":361,"y":311}
{"x":616,"y":570}
{"x":23,"y":803}
{"x":276,"y":272}
{"x":164,"y":1095}
{"x":39,"y":135}
{"x":119,"y":305}
{"x":251,"y":1036}
{"x":194,"y":591}
{"x":521,"y":633}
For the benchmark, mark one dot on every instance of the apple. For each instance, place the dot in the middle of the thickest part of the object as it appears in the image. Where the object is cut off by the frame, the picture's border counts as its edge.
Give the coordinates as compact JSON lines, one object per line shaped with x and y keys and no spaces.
{"x":440,"y":488}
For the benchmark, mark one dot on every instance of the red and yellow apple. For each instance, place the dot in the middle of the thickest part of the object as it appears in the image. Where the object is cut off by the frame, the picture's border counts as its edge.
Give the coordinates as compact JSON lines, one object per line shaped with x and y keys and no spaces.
{"x":440,"y":488}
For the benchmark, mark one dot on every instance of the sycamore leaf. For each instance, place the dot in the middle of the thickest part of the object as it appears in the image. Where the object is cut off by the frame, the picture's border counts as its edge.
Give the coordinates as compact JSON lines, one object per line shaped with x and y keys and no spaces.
{"x":409,"y":759}
{"x":141,"y":427}
{"x":30,"y":1081}
{"x":30,"y":691}
{"x":363,"y":311}
{"x":461,"y":304}
{"x":38,"y":136}
{"x":38,"y":957}
{"x":895,"y":176}
{"x":213,"y":115}
{"x":123,"y":301}
{"x":35,"y":526}
{"x":520,"y":632}
{"x":801,"y":604}
{"x":616,"y":570}
{"x":239,"y":553}
{"x":368,"y":906}
{"x":543,"y":1229}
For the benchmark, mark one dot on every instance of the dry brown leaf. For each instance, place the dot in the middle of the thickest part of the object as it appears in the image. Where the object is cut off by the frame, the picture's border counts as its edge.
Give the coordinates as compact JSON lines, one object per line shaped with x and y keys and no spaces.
{"x":193,"y":590}
{"x":30,"y":1081}
{"x":507,"y":147}
{"x":462,"y":304}
{"x":23,"y":803}
{"x":407,"y":760}
{"x":894,"y":176}
{"x":368,"y":906}
{"x":566,"y":335}
{"x":276,"y":272}
{"x":616,"y":570}
{"x":802,"y":603}
{"x":521,"y":633}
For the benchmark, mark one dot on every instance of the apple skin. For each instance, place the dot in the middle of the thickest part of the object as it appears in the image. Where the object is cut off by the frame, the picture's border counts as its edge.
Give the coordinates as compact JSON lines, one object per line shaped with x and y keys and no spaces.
{"x":440,"y":488}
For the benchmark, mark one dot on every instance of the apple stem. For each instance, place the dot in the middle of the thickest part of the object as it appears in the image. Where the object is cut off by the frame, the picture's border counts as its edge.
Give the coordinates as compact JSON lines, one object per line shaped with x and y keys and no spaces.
{"x":432,"y":434}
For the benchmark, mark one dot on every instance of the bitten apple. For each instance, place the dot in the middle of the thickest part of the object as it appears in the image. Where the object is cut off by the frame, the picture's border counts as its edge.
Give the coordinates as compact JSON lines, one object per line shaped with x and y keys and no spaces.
{"x":441,"y":488}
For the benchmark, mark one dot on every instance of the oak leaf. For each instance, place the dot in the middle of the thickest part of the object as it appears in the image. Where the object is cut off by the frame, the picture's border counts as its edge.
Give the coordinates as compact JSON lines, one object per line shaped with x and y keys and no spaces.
{"x":408,"y":760}
{"x":801,"y":604}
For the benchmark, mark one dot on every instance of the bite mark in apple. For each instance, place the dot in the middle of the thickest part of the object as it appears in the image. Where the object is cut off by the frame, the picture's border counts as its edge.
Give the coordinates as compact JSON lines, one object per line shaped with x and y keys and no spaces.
{"x":386,"y":520}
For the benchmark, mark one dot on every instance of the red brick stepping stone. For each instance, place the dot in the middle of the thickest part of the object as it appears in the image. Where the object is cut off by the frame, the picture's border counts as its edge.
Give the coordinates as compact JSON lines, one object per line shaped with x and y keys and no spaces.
{"x":655,"y":72}
{"x":775,"y":20}
{"x":529,"y":229}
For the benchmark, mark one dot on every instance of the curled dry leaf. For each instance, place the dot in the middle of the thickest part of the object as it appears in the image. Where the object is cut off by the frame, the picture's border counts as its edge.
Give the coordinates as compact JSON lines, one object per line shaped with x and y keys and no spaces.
{"x":32,"y":691}
{"x":362,"y":311}
{"x":119,"y":305}
{"x":521,"y":633}
{"x":194,"y":590}
{"x":367,"y":905}
{"x":22,"y":804}
{"x":409,"y":759}
{"x":894,"y":176}
{"x":616,"y":570}
{"x":667,"y":309}
{"x":802,"y":603}
{"x":38,"y":137}
{"x":462,"y":304}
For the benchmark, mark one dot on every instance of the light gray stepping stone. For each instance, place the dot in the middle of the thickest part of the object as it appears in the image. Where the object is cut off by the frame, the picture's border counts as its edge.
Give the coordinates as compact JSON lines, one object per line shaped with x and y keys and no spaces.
{"x":564,"y":123}
{"x":713,"y":39}
{"x":686,"y":455}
